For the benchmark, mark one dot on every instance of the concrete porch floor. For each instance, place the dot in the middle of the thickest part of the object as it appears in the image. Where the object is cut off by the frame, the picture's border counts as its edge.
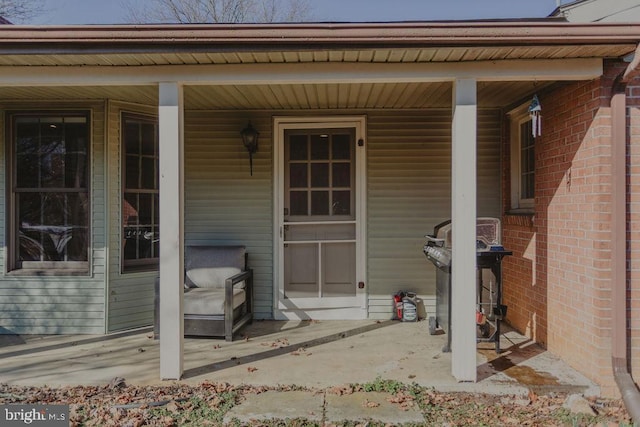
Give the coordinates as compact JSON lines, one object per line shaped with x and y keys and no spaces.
{"x":307,"y":353}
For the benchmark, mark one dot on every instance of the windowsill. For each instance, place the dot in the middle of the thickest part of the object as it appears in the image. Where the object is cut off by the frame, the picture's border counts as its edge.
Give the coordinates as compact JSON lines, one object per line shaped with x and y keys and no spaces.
{"x":141,"y":269}
{"x":32,"y":272}
{"x":521,"y":212}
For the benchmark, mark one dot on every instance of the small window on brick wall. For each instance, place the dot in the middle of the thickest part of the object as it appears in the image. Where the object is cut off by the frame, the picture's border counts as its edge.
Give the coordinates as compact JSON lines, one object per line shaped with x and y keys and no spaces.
{"x":140,"y":193}
{"x":522,"y":161}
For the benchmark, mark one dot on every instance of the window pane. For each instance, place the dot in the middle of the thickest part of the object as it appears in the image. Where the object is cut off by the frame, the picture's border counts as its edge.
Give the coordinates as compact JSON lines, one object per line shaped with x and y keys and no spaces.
{"x":28,"y":170}
{"x":51,"y":153}
{"x":155,"y":244}
{"x":132,"y":138}
{"x":75,"y":170}
{"x":319,"y":203}
{"x":319,"y":175}
{"x":341,"y":147}
{"x":27,"y":137}
{"x":341,"y":204}
{"x":140,"y":211}
{"x":298,"y":147}
{"x":77,"y":230}
{"x":298,"y":203}
{"x":156,"y":209}
{"x":30,"y":236}
{"x":130,"y":209}
{"x":132,"y":172}
{"x":298,"y":175}
{"x":149,"y":139}
{"x":319,"y":147}
{"x":145,"y":211}
{"x":75,"y":137}
{"x":341,"y":175}
{"x":54,"y":223}
{"x":148,"y":173}
{"x":52,"y":169}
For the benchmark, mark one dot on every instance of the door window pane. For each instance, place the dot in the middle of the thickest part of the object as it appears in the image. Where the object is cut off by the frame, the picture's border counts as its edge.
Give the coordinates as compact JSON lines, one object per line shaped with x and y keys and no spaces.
{"x":298,"y":203}
{"x":319,"y":203}
{"x":298,"y":175}
{"x":298,"y":147}
{"x":341,"y":204}
{"x":319,"y":147}
{"x":342,"y":175}
{"x":341,"y":147}
{"x":319,"y":175}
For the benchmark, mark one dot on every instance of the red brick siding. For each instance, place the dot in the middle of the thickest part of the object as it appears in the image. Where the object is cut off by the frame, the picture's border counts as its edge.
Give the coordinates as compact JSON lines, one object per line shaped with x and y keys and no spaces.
{"x":557,"y":284}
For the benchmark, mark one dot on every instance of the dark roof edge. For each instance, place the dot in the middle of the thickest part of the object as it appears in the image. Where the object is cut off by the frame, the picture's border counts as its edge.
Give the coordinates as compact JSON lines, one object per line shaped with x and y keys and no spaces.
{"x":272,"y":37}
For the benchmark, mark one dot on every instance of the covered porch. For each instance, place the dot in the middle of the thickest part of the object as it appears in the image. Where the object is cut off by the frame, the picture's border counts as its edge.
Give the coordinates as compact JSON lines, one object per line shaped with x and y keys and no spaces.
{"x":307,"y":354}
{"x":416,"y":86}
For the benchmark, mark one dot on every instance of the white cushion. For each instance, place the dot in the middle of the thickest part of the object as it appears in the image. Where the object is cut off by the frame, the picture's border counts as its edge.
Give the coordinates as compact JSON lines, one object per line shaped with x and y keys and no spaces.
{"x":211,"y":277}
{"x":210,"y":301}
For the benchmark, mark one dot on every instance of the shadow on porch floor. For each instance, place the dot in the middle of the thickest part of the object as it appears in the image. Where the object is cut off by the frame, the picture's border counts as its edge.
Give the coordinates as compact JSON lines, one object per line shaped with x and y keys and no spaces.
{"x":308,"y":353}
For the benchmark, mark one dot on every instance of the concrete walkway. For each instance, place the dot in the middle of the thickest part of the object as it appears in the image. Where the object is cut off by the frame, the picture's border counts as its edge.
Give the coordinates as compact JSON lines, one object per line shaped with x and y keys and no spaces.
{"x":308,"y":354}
{"x":323,"y":408}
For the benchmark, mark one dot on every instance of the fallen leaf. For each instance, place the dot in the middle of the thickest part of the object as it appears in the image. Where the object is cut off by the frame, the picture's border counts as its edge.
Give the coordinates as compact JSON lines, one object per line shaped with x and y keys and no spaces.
{"x":369,"y":404}
{"x":299,"y":352}
{"x":341,"y":390}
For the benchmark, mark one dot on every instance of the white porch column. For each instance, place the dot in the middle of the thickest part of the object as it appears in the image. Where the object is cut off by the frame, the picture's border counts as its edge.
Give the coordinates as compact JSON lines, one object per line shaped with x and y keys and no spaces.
{"x":463,"y":217}
{"x":170,"y":123}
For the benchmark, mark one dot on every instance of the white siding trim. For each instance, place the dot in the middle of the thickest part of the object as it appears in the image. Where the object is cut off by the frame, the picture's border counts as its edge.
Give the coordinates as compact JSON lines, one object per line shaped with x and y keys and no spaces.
{"x":302,"y":73}
{"x":280,"y":124}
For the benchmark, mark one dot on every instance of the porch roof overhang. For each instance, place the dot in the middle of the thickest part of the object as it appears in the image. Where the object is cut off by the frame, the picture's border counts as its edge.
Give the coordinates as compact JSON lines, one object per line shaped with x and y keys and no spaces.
{"x":308,"y":66}
{"x":454,"y":41}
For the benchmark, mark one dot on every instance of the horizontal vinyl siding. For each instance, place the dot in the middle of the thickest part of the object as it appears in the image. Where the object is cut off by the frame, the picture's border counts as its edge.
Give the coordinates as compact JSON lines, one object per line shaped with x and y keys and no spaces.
{"x":224,"y":204}
{"x":131,"y":295}
{"x":489,"y":143}
{"x":55,"y":304}
{"x":409,"y":192}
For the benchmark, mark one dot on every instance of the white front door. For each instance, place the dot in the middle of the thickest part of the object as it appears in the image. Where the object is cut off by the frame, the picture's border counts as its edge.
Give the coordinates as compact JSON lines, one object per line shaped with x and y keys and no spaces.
{"x":320,"y":217}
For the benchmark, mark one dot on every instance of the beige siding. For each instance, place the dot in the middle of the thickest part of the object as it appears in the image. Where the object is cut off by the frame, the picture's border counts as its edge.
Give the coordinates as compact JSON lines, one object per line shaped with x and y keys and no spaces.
{"x":409,"y":186}
{"x":130,"y":295}
{"x":58,"y":305}
{"x":224,"y":204}
{"x":409,"y":191}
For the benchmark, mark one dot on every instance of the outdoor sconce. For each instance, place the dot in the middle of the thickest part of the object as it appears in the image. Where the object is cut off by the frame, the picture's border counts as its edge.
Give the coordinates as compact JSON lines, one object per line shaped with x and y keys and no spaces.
{"x":250,"y":140}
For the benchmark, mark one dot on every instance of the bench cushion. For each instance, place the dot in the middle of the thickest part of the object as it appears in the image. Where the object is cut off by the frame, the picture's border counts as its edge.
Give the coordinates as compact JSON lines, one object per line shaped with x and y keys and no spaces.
{"x":207,"y":302}
{"x":210,"y":277}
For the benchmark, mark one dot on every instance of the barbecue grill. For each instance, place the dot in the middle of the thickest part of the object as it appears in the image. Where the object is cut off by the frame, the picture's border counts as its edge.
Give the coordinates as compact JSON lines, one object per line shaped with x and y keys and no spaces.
{"x":489,"y":254}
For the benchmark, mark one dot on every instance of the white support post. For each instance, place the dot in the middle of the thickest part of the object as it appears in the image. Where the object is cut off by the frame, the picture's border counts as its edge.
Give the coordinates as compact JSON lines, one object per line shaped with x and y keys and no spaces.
{"x":170,"y":123}
{"x":463,"y":218}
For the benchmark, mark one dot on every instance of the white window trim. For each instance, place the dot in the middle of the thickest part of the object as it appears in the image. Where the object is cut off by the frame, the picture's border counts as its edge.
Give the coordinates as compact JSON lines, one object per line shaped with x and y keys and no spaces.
{"x":144,"y":264}
{"x":518,"y":116}
{"x":44,"y":268}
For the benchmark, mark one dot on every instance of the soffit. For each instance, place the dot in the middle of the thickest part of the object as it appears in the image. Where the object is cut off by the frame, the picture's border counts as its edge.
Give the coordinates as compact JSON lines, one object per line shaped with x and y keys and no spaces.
{"x":378,"y":55}
{"x":288,"y":97}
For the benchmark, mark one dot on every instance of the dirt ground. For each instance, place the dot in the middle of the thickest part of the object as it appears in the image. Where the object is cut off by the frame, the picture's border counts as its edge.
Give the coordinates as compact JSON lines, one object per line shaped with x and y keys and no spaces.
{"x":118,"y":404}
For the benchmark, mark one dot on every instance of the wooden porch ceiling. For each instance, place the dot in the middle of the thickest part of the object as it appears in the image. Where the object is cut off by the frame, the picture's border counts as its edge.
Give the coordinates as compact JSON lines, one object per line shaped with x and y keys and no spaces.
{"x":288,"y":97}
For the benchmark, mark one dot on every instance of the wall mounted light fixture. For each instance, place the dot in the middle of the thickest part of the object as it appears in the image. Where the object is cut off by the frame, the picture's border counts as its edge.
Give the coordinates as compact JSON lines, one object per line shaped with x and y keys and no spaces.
{"x":250,"y":141}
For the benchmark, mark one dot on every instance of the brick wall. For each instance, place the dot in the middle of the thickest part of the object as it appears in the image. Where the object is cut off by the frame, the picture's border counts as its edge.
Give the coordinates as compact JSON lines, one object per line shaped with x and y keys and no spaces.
{"x":557,"y":284}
